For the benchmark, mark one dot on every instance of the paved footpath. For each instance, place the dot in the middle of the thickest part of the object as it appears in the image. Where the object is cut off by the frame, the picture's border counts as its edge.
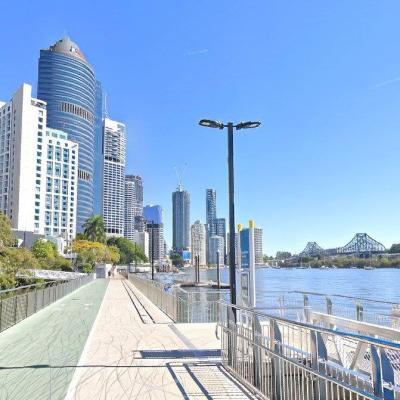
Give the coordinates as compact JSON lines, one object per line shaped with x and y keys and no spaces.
{"x":38,"y":356}
{"x":125,"y":358}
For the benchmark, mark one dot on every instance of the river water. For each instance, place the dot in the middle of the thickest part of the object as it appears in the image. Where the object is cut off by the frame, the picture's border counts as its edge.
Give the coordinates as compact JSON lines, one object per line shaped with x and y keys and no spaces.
{"x":378,"y":284}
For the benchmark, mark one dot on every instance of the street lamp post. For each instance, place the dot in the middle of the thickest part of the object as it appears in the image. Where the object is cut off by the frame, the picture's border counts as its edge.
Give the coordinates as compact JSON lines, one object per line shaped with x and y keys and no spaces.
{"x":232,"y":257}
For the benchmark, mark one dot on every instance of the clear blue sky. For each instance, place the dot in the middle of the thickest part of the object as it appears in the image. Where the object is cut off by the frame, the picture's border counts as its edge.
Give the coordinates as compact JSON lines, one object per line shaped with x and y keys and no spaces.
{"x":323,"y":77}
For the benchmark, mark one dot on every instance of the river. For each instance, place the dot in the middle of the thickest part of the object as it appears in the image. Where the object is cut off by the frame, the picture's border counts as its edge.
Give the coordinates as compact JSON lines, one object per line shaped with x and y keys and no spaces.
{"x":378,"y":284}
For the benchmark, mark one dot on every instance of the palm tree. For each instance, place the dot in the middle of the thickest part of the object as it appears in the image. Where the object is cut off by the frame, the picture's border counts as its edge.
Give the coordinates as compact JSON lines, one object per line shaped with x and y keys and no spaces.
{"x":94,"y":229}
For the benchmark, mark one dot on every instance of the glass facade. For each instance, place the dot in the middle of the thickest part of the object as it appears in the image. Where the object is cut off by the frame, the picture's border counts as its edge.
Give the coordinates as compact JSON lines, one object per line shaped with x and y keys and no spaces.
{"x":99,"y":151}
{"x":67,"y":83}
{"x":153,"y":214}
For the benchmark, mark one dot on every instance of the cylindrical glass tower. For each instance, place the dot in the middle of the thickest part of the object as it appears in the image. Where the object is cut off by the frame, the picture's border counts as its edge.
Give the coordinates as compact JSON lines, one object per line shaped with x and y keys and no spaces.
{"x":66,"y":81}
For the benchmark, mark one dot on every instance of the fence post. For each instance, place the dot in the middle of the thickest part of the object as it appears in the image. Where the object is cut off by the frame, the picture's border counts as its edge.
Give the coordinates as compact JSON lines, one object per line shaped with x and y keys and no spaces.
{"x":15,"y":309}
{"x":306,"y":306}
{"x":257,"y":356}
{"x":376,"y":371}
{"x":1,"y":313}
{"x":276,"y":369}
{"x":328,"y":306}
{"x":26,"y":305}
{"x":318,"y":353}
{"x":359,"y":312}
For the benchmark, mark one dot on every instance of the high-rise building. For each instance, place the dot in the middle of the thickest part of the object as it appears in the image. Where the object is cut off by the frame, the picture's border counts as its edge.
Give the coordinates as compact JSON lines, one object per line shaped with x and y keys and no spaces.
{"x":133,"y":205}
{"x":214,"y":226}
{"x":142,"y":240}
{"x":180,"y":219}
{"x":99,"y":151}
{"x":66,"y":82}
{"x":140,"y":223}
{"x":258,"y":245}
{"x":114,"y":177}
{"x":211,"y":206}
{"x":156,"y":238}
{"x":220,"y":230}
{"x":38,"y":169}
{"x":216,"y":250}
{"x":198,"y":242}
{"x":153,"y":213}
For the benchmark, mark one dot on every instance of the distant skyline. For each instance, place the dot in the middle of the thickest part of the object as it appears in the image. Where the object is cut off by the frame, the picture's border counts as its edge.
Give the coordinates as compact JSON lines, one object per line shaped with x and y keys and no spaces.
{"x":323,"y":78}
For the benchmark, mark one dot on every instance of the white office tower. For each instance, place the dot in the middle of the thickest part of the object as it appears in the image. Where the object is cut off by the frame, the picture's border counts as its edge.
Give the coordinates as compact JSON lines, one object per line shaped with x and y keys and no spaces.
{"x":38,"y":169}
{"x":258,"y":245}
{"x":198,"y":242}
{"x":114,"y":177}
{"x":141,"y":239}
{"x":133,"y":205}
{"x":60,"y":185}
{"x":216,"y":249}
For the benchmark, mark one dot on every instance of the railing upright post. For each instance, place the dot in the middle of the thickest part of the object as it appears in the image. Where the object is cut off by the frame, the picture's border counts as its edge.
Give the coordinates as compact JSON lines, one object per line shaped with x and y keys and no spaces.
{"x":319,"y":355}
{"x":276,"y":370}
{"x":359,"y":312}
{"x":15,"y":309}
{"x":1,"y":313}
{"x":306,"y":305}
{"x":26,"y":305}
{"x":328,"y":306}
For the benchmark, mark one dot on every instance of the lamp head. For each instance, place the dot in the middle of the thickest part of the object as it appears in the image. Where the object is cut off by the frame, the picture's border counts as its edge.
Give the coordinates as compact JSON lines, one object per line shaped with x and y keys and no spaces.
{"x":208,"y":123}
{"x":248,"y":125}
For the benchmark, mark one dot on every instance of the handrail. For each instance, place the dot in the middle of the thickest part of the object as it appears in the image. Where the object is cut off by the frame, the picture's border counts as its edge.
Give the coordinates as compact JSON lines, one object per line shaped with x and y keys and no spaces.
{"x":368,"y":339}
{"x":33,"y":285}
{"x":304,"y":367}
{"x":335,"y":295}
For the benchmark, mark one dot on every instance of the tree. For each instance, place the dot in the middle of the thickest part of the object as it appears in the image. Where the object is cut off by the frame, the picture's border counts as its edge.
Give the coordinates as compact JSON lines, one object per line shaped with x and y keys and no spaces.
{"x":94,"y":229}
{"x":395,"y":248}
{"x":7,"y":237}
{"x":43,"y":249}
{"x":129,"y":251}
{"x":283,"y":255}
{"x":267,"y":258}
{"x":47,"y":255}
{"x":176,"y":259}
{"x":15,"y":264}
{"x":92,"y":252}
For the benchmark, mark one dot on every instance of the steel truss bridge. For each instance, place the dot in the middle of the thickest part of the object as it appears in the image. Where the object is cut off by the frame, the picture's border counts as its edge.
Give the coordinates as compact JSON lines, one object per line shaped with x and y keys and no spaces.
{"x":361,"y":243}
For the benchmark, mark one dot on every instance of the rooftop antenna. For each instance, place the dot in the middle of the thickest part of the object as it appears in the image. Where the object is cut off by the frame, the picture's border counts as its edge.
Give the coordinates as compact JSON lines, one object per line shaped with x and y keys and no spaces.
{"x":179,"y":175}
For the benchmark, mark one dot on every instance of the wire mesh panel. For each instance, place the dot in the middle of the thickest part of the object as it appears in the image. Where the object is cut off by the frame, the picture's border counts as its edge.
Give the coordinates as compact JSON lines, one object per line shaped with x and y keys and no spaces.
{"x":18,"y":304}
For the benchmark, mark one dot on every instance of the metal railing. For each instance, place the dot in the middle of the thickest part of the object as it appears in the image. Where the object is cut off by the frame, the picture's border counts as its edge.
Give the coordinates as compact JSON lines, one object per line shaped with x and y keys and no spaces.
{"x":299,"y":305}
{"x":179,"y":305}
{"x":282,"y":359}
{"x":19,"y":303}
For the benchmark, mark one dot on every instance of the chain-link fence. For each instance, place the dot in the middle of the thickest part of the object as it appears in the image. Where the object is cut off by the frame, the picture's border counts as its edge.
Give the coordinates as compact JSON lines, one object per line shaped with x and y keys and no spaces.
{"x":19,"y":303}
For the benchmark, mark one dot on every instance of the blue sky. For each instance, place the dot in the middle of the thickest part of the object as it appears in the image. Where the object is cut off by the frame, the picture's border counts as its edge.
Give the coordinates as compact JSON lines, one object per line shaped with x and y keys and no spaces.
{"x":323,"y":77}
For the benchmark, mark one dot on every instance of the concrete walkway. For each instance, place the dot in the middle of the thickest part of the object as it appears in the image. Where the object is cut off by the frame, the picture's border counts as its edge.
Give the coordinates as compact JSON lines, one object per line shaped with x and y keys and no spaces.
{"x":38,"y":356}
{"x":125,"y":358}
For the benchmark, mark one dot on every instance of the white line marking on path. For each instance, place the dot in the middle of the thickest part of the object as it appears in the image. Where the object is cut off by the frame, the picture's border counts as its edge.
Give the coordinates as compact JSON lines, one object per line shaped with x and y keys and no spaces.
{"x":79,"y":370}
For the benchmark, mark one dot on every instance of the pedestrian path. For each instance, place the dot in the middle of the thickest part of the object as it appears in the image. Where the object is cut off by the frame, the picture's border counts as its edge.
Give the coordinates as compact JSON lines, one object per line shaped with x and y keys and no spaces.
{"x":126,"y":358}
{"x":38,"y":356}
